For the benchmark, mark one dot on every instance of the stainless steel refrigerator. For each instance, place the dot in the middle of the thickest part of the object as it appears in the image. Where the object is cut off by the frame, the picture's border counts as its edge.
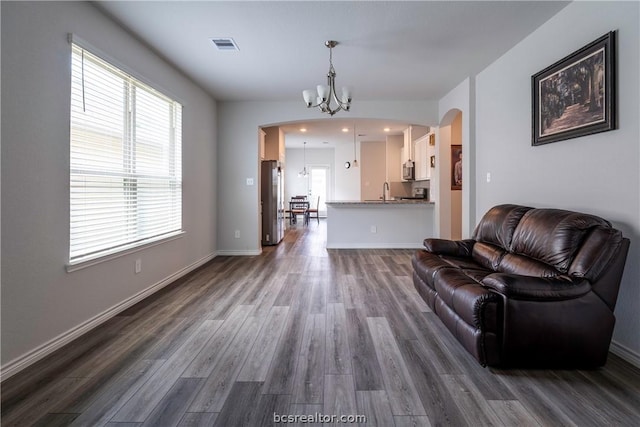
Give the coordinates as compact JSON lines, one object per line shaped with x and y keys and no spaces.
{"x":272,"y":195}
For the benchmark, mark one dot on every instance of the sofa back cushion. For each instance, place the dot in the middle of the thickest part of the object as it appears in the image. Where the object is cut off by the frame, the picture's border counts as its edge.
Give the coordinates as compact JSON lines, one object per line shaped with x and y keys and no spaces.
{"x":498,"y":225}
{"x":526,"y":266}
{"x":553,"y":236}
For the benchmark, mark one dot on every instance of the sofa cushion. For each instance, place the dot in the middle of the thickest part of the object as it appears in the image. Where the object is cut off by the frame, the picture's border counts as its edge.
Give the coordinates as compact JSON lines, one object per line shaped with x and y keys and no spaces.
{"x":462,"y":263}
{"x":488,"y":255}
{"x":525,"y":266}
{"x":466,"y":297}
{"x":426,"y":264}
{"x":459,"y":248}
{"x":553,"y":236}
{"x":498,"y":224}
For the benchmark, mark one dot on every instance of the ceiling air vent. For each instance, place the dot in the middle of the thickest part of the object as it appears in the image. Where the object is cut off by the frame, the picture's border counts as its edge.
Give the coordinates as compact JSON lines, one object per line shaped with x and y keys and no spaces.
{"x":225,"y":43}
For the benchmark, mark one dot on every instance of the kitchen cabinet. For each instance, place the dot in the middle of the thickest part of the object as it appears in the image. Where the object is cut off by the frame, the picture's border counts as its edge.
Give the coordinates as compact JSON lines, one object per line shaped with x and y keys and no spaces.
{"x":421,"y":159}
{"x":412,"y":135}
{"x":263,"y":136}
{"x":424,"y":149}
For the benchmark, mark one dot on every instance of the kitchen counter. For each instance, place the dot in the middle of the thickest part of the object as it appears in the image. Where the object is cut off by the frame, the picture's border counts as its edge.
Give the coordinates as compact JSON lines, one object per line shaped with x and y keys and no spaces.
{"x":361,"y":224}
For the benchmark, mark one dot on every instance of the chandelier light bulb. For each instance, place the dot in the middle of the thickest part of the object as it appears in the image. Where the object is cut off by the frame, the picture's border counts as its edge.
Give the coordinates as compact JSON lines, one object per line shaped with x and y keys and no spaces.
{"x":309,"y":97}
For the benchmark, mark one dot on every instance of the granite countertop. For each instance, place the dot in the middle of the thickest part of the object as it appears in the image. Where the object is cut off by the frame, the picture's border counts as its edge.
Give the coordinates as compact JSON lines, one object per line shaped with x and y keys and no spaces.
{"x":380,"y":202}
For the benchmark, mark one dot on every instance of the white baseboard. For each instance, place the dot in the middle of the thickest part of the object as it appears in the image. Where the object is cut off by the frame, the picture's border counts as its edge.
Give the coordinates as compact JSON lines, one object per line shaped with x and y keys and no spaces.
{"x":625,"y":353}
{"x":373,"y":246}
{"x":18,"y":364}
{"x":246,"y":252}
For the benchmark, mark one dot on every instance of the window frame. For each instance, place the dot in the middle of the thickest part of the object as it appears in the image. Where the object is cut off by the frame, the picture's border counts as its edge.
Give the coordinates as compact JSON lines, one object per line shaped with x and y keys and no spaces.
{"x":82,"y":261}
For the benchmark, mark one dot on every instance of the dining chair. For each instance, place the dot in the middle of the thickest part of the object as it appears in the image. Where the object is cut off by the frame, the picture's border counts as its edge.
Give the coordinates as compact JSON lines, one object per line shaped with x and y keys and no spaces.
{"x":298,"y":207}
{"x":312,"y":211}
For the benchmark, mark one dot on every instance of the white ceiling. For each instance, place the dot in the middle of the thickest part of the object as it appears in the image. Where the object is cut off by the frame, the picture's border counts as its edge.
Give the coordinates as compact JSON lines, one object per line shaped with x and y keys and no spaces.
{"x":389,"y":50}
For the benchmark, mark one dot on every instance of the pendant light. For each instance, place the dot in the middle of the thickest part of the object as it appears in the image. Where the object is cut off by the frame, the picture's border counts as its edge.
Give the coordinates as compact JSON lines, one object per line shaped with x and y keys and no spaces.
{"x":355,"y":158}
{"x":303,"y":173}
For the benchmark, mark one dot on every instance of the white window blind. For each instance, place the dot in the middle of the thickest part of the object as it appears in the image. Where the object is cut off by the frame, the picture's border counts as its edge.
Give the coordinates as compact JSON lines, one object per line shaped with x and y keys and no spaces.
{"x":126,"y":160}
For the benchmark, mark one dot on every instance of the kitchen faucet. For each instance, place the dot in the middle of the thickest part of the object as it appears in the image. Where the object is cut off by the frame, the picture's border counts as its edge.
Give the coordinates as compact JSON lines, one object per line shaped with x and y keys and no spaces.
{"x":384,"y":193}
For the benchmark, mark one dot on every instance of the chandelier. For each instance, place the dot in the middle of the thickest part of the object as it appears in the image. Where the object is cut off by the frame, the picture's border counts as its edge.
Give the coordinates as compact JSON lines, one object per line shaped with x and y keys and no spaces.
{"x":303,"y":173}
{"x":325,"y":94}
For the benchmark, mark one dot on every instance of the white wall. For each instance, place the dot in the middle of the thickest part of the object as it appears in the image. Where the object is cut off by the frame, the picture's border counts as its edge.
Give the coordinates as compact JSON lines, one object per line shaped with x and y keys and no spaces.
{"x":347,"y":181}
{"x":599,"y":173}
{"x":238,"y":154}
{"x":41,"y":302}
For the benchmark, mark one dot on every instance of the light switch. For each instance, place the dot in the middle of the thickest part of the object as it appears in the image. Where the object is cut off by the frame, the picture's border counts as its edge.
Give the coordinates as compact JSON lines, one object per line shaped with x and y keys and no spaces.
{"x":488,"y":176}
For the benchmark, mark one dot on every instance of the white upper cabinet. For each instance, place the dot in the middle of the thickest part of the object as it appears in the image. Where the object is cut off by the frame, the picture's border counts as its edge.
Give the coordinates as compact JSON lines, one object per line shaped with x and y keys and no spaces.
{"x":415,"y":148}
{"x":421,"y":159}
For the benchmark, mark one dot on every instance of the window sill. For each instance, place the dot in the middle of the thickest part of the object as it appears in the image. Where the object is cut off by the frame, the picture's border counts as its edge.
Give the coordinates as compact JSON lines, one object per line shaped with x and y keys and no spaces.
{"x":85,"y":262}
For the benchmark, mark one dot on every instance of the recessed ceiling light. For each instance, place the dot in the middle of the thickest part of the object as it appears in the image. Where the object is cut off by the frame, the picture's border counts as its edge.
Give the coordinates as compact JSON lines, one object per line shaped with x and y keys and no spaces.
{"x":387,"y":129}
{"x":225,"y":43}
{"x":345,"y":129}
{"x":303,"y":129}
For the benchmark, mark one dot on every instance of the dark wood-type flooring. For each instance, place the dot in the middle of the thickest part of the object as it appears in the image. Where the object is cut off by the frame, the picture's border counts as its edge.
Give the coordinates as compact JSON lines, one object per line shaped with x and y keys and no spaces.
{"x":300,"y":330}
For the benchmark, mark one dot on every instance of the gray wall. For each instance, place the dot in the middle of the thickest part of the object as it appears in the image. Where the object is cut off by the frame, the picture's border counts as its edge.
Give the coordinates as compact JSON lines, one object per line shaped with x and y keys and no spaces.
{"x":598,"y":174}
{"x":41,"y":302}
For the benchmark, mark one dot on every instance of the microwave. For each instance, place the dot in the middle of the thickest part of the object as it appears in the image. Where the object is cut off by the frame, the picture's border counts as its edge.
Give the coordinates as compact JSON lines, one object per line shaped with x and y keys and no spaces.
{"x":408,"y":171}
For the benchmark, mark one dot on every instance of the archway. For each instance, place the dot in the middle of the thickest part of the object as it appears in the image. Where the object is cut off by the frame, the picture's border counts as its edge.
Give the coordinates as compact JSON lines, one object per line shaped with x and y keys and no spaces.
{"x":237,"y":158}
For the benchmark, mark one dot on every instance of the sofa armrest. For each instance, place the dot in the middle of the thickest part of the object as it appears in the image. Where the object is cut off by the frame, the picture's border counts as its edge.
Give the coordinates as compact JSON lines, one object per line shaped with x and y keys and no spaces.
{"x":459,"y":248}
{"x":536,"y":288}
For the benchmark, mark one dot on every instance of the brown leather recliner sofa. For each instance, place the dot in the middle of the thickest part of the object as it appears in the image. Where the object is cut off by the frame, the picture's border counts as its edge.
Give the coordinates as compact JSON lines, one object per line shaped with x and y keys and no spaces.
{"x":531,"y":288}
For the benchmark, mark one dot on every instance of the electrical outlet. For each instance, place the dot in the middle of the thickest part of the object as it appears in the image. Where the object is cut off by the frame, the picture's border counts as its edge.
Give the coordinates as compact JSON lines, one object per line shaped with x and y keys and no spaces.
{"x":138,"y":267}
{"x":374,"y":229}
{"x":488,"y":176}
{"x":237,"y":234}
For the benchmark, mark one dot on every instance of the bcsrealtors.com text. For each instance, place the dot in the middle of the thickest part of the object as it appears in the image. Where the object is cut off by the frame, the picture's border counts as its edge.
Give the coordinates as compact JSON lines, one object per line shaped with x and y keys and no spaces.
{"x":319,"y":418}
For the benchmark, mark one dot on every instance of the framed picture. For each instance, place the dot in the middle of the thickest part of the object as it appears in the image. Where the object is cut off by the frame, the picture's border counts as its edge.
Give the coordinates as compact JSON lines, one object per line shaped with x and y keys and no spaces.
{"x":456,"y":167}
{"x":432,"y":161}
{"x":576,"y":96}
{"x":432,"y":139}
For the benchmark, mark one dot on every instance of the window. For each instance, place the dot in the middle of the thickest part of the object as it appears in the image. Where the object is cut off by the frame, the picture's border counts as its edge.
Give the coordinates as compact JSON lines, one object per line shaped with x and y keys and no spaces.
{"x":126,"y":161}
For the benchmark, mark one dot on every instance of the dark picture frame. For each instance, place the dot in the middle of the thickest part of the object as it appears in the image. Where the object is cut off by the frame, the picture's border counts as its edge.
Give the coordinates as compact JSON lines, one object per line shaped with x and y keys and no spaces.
{"x":456,"y":167}
{"x":576,"y":96}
